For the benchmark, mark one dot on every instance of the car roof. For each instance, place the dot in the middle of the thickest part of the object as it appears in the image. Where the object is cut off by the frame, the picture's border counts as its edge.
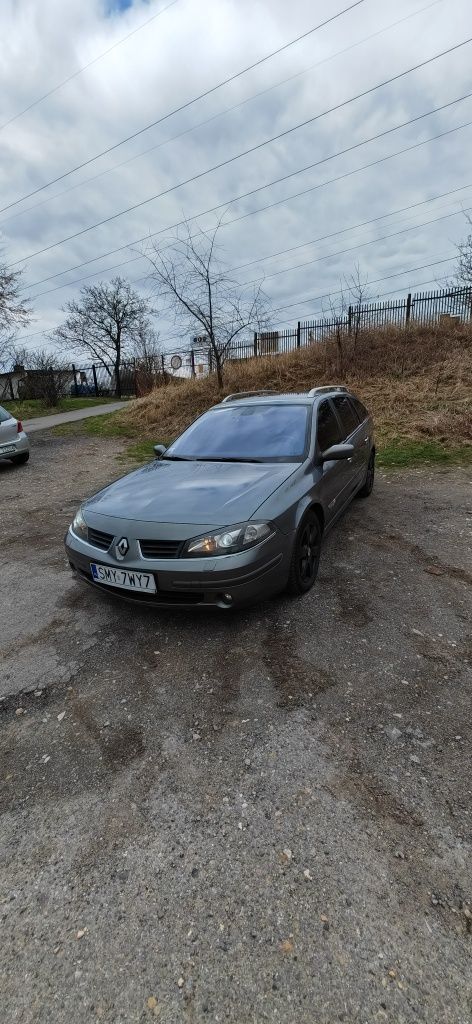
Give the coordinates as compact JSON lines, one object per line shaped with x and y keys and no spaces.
{"x":278,"y":398}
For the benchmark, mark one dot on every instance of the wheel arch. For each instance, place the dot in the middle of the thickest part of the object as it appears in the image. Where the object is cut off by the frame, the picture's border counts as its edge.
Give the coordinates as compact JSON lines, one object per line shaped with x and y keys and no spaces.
{"x":311,"y":506}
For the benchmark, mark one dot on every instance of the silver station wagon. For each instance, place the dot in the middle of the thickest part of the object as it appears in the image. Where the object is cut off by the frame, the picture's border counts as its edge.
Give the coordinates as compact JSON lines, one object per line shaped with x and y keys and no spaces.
{"x":235,"y":510}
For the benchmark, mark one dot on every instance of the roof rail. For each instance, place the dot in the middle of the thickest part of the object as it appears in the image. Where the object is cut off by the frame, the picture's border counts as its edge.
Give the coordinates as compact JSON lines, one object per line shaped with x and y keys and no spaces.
{"x":326,"y":389}
{"x":247,"y":394}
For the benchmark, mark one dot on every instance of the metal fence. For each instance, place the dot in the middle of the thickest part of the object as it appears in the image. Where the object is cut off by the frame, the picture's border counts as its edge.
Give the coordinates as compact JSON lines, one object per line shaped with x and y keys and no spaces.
{"x":420,"y":308}
{"x":137,"y":377}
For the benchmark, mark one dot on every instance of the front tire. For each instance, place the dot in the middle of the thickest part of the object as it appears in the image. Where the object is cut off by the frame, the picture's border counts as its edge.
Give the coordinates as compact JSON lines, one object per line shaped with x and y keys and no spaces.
{"x":368,"y":484}
{"x":306,"y":555}
{"x":20,"y":460}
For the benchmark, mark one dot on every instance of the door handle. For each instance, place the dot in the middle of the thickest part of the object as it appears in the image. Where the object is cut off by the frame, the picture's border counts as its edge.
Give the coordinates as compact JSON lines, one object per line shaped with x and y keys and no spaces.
{"x":366,"y":440}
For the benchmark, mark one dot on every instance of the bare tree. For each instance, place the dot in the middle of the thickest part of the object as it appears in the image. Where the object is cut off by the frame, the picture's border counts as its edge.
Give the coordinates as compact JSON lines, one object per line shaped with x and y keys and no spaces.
{"x":202,"y":295}
{"x":146,"y":348}
{"x":464,"y":262}
{"x":358,"y":294}
{"x":15,"y":311}
{"x":104,"y":323}
{"x":336,"y":311}
{"x":46,"y":376}
{"x":147,"y":353}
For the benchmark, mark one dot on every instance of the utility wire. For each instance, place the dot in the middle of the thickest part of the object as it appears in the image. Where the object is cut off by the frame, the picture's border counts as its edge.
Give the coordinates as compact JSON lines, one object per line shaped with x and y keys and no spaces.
{"x":276,"y":181}
{"x":359,"y":245}
{"x":352,"y":227}
{"x":237,"y":156}
{"x":328,"y":295}
{"x":221,"y":113}
{"x":189,"y":103}
{"x":327,"y":257}
{"x":377,"y":280}
{"x":282,"y":252}
{"x":80,"y":71}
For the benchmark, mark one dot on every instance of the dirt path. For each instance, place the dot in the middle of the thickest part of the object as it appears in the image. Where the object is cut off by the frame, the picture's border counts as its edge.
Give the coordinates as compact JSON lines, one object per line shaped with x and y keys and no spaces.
{"x":261,"y":817}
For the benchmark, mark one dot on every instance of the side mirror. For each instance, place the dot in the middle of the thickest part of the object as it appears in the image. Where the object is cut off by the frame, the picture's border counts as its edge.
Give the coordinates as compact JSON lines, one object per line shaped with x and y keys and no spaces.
{"x":338,"y":452}
{"x":159,"y":450}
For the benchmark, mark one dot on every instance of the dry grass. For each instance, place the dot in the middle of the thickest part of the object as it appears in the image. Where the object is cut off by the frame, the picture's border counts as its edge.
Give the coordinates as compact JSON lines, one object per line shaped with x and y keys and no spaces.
{"x":417,"y":382}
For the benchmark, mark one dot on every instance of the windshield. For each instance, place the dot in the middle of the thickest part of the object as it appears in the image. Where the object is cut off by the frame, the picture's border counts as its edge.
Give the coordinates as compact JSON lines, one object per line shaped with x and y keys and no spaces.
{"x":249,"y":433}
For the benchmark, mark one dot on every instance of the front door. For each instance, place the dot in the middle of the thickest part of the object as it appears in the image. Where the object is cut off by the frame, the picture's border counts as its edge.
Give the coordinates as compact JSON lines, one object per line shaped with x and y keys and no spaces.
{"x":337,"y":475}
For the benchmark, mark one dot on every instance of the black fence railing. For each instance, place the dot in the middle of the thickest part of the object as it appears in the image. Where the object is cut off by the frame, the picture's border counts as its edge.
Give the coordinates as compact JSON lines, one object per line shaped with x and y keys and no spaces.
{"x":138,"y":377}
{"x":424,"y":307}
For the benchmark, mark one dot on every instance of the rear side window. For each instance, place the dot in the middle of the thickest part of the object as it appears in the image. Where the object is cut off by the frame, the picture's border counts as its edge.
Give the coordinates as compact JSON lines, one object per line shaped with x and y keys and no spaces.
{"x":328,"y":432}
{"x":347,"y":415}
{"x":360,"y":409}
{"x":4,"y":415}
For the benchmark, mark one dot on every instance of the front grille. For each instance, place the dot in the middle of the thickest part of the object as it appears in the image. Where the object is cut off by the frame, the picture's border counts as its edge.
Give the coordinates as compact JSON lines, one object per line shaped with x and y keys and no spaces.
{"x":160,"y":548}
{"x":99,"y":539}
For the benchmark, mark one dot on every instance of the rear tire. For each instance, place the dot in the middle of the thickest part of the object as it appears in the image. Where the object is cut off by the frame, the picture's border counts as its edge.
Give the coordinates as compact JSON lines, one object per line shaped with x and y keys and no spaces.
{"x":368,"y":484}
{"x":20,"y":460}
{"x":305,"y":556}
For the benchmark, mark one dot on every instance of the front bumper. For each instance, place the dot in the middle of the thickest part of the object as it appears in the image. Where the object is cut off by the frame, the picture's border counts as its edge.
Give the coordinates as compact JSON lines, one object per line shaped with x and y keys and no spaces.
{"x":227,"y":581}
{"x":19,"y":442}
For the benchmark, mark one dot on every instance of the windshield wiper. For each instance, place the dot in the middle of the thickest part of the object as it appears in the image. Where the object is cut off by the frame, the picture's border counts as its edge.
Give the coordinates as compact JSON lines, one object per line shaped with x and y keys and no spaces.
{"x":178,"y":458}
{"x":217,"y":458}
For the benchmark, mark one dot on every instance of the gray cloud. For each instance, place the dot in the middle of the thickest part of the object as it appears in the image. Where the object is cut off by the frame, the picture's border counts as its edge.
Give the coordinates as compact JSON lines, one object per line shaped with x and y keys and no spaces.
{"x":188,"y":49}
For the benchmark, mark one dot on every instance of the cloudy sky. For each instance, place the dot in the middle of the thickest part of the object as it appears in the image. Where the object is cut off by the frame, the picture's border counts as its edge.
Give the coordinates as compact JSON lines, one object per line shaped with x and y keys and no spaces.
{"x":172,"y":57}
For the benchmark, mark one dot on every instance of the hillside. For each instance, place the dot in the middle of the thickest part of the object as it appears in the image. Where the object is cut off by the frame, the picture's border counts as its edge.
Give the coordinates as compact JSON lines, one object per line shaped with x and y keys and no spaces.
{"x":417,"y":382}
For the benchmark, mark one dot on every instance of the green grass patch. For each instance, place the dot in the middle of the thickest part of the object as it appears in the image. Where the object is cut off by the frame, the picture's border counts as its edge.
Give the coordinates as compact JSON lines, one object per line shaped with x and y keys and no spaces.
{"x":105,"y":425}
{"x":29,"y":408}
{"x":138,"y":453}
{"x":404,"y":452}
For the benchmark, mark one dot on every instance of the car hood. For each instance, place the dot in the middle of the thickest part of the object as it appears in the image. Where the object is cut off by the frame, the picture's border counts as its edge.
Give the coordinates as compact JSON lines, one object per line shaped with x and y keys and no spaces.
{"x":209,"y":493}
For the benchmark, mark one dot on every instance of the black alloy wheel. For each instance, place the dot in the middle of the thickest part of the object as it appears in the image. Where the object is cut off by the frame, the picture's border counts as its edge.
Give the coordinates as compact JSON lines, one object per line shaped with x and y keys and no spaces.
{"x":306,"y":555}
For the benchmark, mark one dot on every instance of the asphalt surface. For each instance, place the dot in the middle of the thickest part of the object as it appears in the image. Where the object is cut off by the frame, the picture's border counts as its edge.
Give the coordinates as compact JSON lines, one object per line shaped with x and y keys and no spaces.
{"x":245,"y":818}
{"x":46,"y":422}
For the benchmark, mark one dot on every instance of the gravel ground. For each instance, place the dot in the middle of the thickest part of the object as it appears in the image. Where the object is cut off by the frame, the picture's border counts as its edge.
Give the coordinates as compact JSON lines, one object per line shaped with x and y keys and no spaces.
{"x":254,"y":817}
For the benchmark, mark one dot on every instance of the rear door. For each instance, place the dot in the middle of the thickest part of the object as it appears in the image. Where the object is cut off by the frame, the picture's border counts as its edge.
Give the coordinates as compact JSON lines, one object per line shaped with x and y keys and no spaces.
{"x":8,"y":427}
{"x":336,"y":480}
{"x":353,"y":433}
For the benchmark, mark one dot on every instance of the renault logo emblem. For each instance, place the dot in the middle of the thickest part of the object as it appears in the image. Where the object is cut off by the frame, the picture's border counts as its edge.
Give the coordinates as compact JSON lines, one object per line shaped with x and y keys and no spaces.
{"x":122,"y":548}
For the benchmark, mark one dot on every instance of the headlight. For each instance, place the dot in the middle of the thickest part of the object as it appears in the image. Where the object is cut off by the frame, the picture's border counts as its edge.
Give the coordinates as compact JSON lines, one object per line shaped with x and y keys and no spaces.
{"x":79,"y":526}
{"x":227,"y":542}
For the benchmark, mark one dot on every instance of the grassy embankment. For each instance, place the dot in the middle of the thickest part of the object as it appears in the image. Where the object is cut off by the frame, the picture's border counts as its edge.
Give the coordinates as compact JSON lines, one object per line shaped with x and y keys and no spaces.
{"x":416,"y":382}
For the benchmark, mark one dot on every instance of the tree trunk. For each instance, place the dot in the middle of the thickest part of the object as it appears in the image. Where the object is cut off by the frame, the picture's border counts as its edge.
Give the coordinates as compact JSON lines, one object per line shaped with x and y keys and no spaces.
{"x":117,"y":364}
{"x":339,"y":347}
{"x":219,"y":371}
{"x":117,"y":378}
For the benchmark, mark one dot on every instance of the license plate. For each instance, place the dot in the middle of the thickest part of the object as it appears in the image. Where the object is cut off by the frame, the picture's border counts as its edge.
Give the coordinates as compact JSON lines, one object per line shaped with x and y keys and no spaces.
{"x":5,"y":449}
{"x":127,"y":579}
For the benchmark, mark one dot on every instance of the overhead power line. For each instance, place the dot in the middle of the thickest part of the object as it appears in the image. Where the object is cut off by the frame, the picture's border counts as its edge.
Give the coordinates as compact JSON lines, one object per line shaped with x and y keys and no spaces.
{"x":352,"y":227}
{"x":377,"y":280}
{"x":80,"y":71}
{"x":282,"y":252}
{"x":276,"y":181}
{"x":359,"y":245}
{"x":189,"y":103}
{"x":326,"y":295}
{"x":247,"y":152}
{"x":319,"y":259}
{"x":221,"y":113}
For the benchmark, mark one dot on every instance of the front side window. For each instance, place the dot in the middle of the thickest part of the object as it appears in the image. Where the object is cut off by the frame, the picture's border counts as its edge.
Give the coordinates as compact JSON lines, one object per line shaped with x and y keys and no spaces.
{"x":348,"y":417}
{"x":246,"y":433}
{"x":328,"y":431}
{"x":360,"y":409}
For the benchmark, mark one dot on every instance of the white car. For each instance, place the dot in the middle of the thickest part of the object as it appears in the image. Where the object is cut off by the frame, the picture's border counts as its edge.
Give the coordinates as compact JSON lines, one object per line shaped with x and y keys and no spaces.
{"x":14,"y":444}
